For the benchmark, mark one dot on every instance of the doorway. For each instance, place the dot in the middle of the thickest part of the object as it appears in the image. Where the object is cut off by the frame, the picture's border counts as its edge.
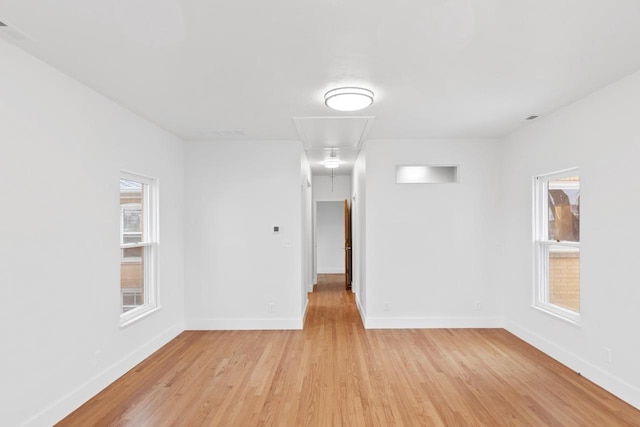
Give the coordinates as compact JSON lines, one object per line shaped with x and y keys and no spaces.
{"x":330,"y":238}
{"x":332,"y":243}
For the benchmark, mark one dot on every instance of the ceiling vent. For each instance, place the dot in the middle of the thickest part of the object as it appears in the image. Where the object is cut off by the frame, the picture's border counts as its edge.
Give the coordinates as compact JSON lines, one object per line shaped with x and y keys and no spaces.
{"x":11,"y":32}
{"x":531,"y":117}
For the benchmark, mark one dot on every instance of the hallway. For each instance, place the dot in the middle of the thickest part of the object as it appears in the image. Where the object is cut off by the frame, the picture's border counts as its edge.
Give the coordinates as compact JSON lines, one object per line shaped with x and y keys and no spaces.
{"x":335,"y":372}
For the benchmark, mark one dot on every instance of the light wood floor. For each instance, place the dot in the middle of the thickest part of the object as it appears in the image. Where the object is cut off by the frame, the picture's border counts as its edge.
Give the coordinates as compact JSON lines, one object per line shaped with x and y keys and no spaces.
{"x":335,"y":373}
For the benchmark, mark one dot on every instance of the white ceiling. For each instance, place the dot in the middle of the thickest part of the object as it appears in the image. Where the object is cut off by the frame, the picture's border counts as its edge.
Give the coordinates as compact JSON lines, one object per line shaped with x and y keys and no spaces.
{"x":338,"y":136}
{"x":243,"y":69}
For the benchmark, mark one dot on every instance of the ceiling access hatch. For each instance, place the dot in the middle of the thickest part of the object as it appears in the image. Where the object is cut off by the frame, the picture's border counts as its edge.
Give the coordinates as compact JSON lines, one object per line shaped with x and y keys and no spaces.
{"x":333,"y":132}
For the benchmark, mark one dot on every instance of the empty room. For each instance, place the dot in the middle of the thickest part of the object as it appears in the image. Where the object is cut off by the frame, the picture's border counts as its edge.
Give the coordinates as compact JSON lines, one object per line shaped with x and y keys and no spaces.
{"x":334,"y":213}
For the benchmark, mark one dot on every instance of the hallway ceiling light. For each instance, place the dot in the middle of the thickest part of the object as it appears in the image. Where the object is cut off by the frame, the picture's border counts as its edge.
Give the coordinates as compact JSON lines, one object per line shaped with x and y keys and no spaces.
{"x":348,"y":98}
{"x":331,"y":163}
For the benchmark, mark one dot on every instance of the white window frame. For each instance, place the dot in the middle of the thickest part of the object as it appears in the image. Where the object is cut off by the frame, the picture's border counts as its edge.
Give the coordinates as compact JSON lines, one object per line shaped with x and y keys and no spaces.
{"x":542,"y":245}
{"x":150,"y":249}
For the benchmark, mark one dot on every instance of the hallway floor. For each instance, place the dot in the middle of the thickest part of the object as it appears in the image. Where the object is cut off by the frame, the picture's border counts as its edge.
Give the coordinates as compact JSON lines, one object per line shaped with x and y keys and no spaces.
{"x":336,"y":373}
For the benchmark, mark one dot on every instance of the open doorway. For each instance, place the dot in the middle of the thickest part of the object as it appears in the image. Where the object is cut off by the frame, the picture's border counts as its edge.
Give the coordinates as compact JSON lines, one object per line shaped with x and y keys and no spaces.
{"x":333,"y":247}
{"x":329,"y":238}
{"x":328,"y":225}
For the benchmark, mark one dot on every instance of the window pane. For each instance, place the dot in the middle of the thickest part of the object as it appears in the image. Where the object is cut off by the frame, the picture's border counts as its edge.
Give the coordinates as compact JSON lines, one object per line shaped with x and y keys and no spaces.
{"x":564,"y":209}
{"x":132,"y":254}
{"x":132,"y":279}
{"x":131,"y":211}
{"x":564,"y":277}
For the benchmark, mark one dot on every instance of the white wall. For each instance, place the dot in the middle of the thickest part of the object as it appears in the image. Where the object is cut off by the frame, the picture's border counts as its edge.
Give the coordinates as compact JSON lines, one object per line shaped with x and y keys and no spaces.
{"x":330,"y":237}
{"x":358,"y":227}
{"x":430,"y":248}
{"x":307,"y":228}
{"x":601,"y":135}
{"x":327,"y":189}
{"x":62,"y":149}
{"x":237,"y":268}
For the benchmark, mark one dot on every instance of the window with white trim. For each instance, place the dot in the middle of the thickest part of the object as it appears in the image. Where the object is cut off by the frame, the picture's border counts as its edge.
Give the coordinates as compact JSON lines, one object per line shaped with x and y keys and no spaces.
{"x":138,"y":246}
{"x":557,"y":243}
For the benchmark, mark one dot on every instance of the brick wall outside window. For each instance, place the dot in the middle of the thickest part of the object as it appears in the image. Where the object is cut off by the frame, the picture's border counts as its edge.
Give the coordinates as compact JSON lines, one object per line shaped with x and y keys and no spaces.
{"x":564,"y":280}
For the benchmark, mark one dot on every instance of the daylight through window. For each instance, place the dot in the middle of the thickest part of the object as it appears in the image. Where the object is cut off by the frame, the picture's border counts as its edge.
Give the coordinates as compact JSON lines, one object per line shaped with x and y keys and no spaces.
{"x":558,"y":243}
{"x":137,"y":245}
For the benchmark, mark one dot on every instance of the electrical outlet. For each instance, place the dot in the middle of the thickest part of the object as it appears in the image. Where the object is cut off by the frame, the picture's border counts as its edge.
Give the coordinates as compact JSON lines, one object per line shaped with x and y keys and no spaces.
{"x":606,"y":355}
{"x":272,"y":307}
{"x":387,"y":306}
{"x":478,"y":306}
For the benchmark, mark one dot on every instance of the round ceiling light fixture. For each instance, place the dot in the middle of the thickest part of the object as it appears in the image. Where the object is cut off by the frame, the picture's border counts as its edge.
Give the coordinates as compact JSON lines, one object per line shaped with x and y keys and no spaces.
{"x":332,"y":163}
{"x":348,"y":98}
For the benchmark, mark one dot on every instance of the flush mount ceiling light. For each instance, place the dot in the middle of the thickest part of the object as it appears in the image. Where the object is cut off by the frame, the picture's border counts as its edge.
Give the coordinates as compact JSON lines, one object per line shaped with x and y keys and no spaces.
{"x":348,"y":98}
{"x":332,"y":162}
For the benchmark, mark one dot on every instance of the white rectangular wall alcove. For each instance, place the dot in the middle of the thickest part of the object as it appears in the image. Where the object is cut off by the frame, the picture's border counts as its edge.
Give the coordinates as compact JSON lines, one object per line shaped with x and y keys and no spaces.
{"x":426,"y":174}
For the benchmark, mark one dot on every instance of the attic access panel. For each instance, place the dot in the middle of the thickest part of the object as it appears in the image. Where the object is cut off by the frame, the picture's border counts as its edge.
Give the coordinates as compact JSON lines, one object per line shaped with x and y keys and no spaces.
{"x":333,"y":132}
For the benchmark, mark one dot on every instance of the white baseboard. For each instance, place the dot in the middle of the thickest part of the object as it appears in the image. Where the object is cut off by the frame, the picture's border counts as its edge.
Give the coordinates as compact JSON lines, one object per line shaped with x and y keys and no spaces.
{"x":363,"y":314}
{"x":432,"y":322}
{"x":244,"y":324}
{"x":309,"y":288}
{"x":73,"y":400}
{"x":304,"y":312}
{"x":604,"y":379}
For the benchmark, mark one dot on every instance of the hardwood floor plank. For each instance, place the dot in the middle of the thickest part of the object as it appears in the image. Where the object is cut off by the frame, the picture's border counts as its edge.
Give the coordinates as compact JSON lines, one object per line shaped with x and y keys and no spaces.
{"x":336,"y":373}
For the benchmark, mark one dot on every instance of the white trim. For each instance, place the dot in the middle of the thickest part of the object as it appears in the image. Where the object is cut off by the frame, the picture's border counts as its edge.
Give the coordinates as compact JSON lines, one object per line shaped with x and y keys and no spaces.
{"x":136,"y":245}
{"x":564,"y":173}
{"x":363,"y":315}
{"x":243,"y":324}
{"x":614,"y":385}
{"x":133,"y":176}
{"x":305,"y":311}
{"x":572,"y":246}
{"x":559,"y":312}
{"x":433,"y":322}
{"x":570,"y":185}
{"x":74,"y":399}
{"x":139,"y":313}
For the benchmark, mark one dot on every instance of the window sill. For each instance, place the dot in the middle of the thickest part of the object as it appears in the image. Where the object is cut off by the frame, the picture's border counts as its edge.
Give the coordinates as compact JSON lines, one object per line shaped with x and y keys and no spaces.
{"x":560,"y":313}
{"x":138,"y":316}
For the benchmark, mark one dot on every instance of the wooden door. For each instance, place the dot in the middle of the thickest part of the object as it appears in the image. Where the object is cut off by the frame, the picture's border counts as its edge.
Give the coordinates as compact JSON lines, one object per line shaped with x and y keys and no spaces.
{"x":347,"y":245}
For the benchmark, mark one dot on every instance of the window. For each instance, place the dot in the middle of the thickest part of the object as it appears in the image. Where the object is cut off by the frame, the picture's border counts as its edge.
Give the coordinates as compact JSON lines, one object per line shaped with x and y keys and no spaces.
{"x":557,"y":244}
{"x":138,"y":246}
